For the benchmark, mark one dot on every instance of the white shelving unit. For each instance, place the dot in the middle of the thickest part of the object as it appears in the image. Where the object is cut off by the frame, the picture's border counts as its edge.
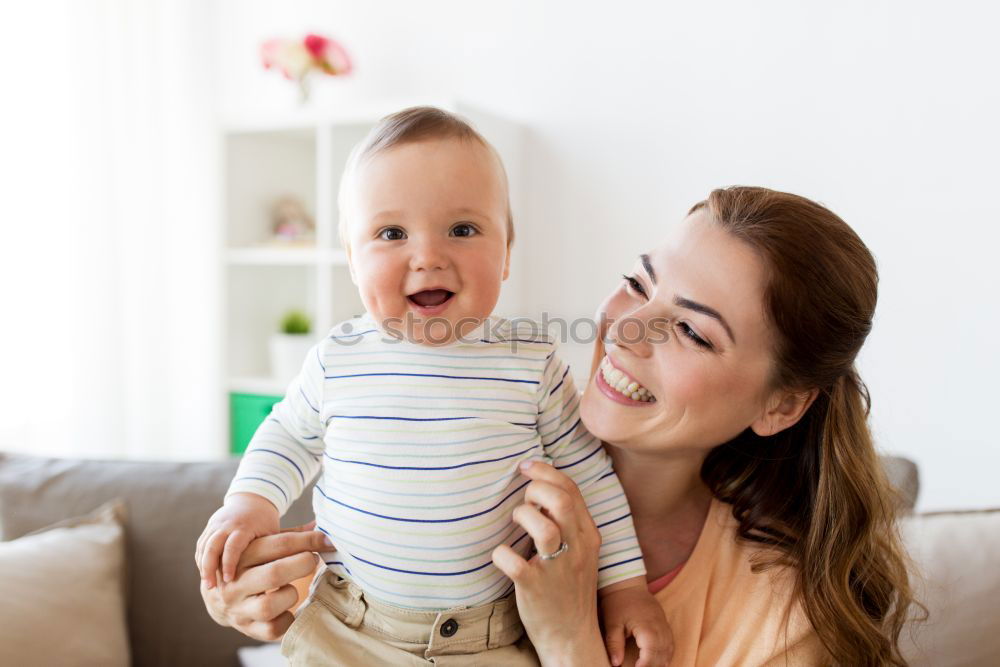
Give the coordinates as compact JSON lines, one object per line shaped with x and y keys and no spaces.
{"x":302,"y":154}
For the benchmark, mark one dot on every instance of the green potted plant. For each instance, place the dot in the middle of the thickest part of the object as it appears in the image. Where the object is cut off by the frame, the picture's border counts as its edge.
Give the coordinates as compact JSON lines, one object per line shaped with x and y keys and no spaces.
{"x":290,"y":345}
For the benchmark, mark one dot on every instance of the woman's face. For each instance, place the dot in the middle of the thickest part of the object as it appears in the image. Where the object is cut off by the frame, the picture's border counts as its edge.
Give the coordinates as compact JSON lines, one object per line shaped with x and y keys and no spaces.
{"x":689,"y":326}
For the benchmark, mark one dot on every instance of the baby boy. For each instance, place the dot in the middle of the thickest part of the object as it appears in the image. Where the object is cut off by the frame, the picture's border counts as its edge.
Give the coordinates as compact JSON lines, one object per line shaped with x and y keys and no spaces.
{"x":416,"y":416}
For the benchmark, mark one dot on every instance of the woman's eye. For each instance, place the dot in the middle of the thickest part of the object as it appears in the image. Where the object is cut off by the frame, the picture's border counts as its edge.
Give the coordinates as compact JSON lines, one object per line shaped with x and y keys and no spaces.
{"x":689,"y":332}
{"x":392,"y":234}
{"x":463,"y":230}
{"x":634,"y":285}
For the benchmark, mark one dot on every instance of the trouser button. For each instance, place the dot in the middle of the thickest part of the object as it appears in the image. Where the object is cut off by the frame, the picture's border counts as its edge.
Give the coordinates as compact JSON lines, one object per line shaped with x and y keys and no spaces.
{"x":449,"y":628}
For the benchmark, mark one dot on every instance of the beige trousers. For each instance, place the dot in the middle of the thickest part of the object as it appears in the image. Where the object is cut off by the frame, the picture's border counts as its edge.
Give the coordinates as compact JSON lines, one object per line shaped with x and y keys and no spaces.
{"x":339,"y":625}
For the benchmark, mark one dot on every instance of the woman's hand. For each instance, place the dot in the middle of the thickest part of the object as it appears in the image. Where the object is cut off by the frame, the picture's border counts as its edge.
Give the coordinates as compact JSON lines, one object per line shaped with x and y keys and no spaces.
{"x":557,"y":598}
{"x":241,"y":519}
{"x":257,"y":602}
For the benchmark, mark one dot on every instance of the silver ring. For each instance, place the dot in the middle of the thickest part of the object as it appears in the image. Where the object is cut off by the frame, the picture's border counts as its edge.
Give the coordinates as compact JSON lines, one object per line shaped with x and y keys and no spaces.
{"x":555,"y":554}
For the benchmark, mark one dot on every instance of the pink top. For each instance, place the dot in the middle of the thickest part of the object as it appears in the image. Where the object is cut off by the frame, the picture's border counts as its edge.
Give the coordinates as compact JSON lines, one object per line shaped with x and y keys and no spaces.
{"x":657,"y":585}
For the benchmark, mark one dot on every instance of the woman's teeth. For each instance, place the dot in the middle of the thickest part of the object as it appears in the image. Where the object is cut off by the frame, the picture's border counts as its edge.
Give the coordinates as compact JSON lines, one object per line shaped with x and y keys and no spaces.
{"x":625,"y":385}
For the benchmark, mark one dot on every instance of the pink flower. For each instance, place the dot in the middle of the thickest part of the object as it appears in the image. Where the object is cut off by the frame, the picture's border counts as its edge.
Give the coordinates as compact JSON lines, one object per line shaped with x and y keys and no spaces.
{"x":316,"y":45}
{"x":297,"y":59}
{"x":329,"y":55}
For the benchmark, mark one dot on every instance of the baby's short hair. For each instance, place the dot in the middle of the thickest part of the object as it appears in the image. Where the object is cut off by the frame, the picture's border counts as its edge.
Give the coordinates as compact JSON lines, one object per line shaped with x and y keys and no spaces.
{"x":405,"y":127}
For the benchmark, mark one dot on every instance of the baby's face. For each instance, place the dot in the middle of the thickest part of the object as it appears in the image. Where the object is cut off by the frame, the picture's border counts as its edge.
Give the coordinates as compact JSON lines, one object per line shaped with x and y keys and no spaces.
{"x":427,"y":238}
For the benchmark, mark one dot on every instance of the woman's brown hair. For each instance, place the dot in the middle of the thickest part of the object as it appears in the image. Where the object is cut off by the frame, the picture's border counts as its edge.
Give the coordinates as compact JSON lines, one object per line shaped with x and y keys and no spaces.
{"x":816,"y":491}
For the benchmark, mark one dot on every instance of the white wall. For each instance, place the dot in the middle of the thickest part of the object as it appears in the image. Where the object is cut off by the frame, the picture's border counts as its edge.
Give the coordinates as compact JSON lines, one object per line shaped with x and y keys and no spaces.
{"x":109,"y":240}
{"x":885,"y":111}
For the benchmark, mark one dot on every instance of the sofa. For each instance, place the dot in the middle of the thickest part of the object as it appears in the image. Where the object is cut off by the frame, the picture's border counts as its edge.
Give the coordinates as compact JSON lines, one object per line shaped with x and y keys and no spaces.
{"x":163,"y":507}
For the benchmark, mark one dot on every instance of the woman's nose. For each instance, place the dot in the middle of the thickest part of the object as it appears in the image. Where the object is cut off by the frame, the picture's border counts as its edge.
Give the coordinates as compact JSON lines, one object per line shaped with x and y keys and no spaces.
{"x":635,"y":332}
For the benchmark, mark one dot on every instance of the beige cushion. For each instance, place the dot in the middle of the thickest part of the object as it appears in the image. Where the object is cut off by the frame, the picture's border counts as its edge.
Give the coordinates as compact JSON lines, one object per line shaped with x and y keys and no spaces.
{"x":168,"y":504}
{"x":957,"y":556}
{"x":61,"y":594}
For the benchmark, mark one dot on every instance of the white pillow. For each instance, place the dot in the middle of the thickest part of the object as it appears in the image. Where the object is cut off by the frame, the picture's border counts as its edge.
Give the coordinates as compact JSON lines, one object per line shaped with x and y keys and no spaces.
{"x":957,"y":555}
{"x":62,"y":594}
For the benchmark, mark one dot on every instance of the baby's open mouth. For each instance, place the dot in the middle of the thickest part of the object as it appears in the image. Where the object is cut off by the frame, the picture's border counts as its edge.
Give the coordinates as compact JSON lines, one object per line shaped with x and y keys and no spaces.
{"x":430,"y":298}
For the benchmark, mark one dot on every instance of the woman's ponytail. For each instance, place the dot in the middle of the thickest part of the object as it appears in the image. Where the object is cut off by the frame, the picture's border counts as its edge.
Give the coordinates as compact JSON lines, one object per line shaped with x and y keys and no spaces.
{"x":853,"y":567}
{"x":816,"y":491}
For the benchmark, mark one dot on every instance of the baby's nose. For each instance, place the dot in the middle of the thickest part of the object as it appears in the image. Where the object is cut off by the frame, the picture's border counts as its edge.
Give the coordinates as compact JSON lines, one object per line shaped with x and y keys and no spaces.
{"x":428,"y":256}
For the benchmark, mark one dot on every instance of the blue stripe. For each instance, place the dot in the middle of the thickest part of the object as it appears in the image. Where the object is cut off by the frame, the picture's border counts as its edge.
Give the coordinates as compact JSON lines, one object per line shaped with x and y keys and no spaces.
{"x":337,"y":528}
{"x":432,"y":574}
{"x":426,"y":375}
{"x":320,"y":359}
{"x":563,"y":379}
{"x":621,"y":562}
{"x":389,"y":594}
{"x":271,"y":451}
{"x":402,"y":419}
{"x":571,"y":429}
{"x":429,"y":574}
{"x":344,"y":544}
{"x":508,"y":357}
{"x":505,"y":478}
{"x":461,"y":465}
{"x":570,"y":465}
{"x":397,"y":518}
{"x":436,"y":398}
{"x":337,"y":562}
{"x":515,"y":340}
{"x":608,"y":523}
{"x":350,"y":335}
{"x":518,"y":540}
{"x":261,"y":479}
{"x":306,"y":398}
{"x":441,"y":444}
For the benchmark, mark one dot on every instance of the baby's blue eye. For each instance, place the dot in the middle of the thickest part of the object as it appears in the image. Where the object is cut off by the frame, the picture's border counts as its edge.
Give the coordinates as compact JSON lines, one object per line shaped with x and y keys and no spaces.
{"x":463,"y":229}
{"x":392,"y":234}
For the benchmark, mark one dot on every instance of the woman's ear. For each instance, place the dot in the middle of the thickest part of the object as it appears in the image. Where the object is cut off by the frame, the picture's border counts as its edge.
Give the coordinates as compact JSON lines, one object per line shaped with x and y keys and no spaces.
{"x":784,"y":409}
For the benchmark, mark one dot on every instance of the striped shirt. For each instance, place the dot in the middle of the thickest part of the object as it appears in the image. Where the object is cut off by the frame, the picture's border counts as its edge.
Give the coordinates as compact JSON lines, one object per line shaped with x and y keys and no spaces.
{"x":418,"y":448}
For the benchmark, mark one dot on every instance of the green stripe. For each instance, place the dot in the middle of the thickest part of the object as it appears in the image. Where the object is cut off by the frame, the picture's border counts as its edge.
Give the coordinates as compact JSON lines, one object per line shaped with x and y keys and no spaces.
{"x":434,"y":354}
{"x":448,"y":366}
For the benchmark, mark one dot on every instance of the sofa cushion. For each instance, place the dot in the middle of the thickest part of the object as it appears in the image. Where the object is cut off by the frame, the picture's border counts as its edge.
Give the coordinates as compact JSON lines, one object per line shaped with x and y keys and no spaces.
{"x":62,"y":594}
{"x":167,"y":506}
{"x":957,"y":561}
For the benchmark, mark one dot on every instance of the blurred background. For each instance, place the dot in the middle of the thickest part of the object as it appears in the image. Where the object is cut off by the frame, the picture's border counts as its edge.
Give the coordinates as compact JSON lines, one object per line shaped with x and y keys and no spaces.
{"x":169,"y":203}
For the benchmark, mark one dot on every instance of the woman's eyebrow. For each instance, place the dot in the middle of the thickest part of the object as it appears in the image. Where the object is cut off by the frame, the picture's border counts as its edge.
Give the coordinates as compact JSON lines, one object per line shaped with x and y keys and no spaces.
{"x":688,"y":303}
{"x":702,"y":308}
{"x":649,"y":267}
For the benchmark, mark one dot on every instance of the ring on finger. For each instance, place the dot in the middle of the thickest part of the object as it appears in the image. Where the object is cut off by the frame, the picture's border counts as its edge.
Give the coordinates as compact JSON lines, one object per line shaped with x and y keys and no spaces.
{"x":555,"y":554}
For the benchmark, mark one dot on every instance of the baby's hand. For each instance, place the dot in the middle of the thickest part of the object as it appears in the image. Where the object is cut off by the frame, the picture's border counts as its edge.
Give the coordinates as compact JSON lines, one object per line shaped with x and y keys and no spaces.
{"x":243,"y":518}
{"x":633,"y":611}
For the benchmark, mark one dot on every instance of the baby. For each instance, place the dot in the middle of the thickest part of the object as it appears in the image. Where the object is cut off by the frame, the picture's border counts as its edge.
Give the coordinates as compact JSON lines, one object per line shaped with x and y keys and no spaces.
{"x":417,"y":415}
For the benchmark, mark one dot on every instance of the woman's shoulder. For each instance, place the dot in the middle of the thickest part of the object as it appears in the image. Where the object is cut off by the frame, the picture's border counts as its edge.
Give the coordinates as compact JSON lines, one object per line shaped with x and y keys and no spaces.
{"x":725,"y":608}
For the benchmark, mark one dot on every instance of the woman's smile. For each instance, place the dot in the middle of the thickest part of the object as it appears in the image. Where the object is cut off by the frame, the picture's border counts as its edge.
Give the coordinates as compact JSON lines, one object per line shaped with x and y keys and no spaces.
{"x":621,"y":387}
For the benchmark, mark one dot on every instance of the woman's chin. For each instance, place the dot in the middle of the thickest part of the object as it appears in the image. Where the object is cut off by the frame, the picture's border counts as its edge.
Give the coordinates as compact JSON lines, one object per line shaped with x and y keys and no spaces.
{"x":610,"y":421}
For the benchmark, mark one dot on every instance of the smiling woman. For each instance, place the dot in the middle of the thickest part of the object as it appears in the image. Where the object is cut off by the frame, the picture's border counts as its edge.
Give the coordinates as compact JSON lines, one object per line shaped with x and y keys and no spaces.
{"x":726,"y":394}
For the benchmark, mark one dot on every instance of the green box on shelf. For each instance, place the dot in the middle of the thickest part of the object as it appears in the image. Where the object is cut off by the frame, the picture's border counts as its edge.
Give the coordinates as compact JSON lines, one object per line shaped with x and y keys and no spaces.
{"x":246,"y":412}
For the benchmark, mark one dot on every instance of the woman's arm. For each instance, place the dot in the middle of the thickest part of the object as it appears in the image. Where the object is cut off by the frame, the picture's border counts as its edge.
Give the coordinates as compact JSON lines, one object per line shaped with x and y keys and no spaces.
{"x":257,"y":602}
{"x":557,"y":598}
